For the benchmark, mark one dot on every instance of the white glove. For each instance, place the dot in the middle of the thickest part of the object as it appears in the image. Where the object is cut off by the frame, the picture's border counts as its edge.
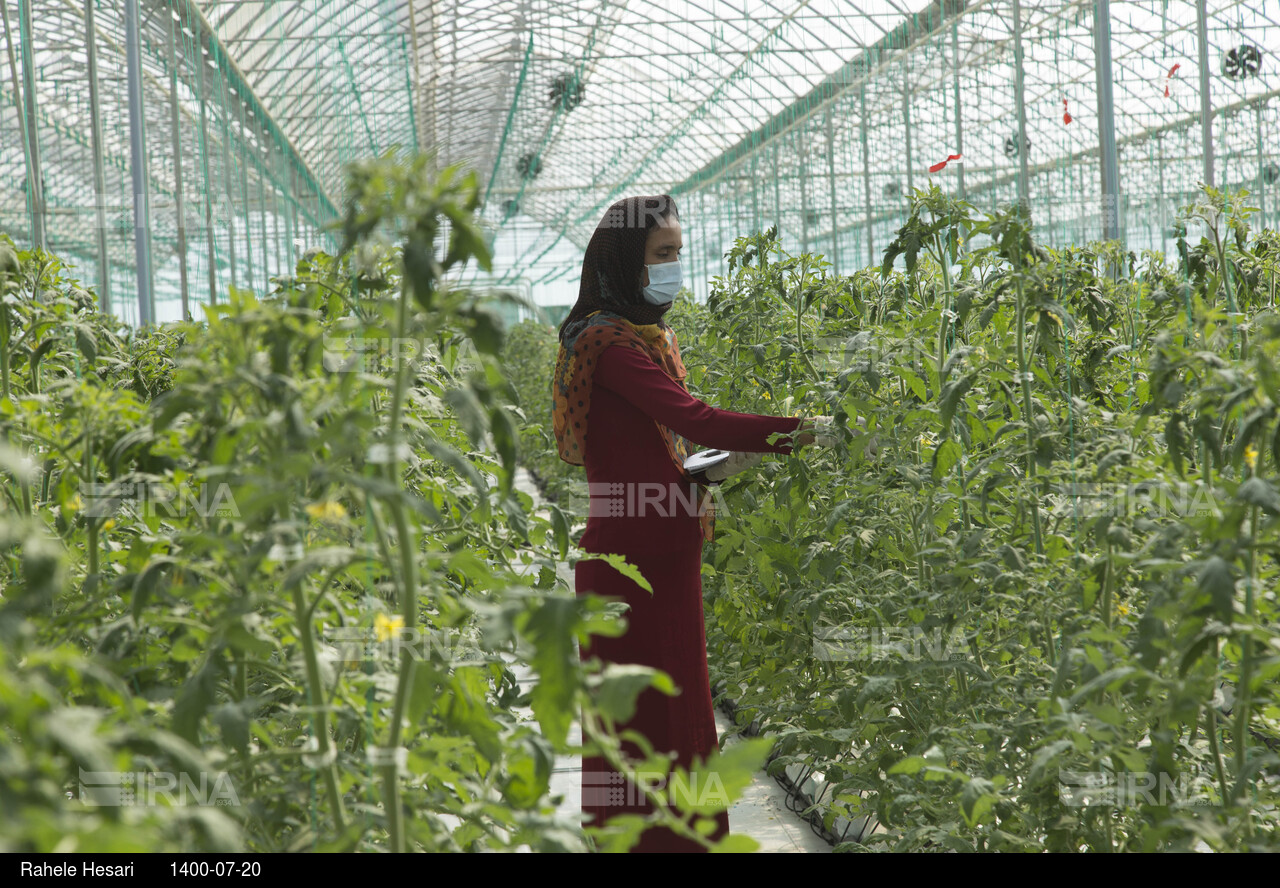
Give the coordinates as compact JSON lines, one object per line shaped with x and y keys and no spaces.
{"x":737,"y":462}
{"x":824,"y":431}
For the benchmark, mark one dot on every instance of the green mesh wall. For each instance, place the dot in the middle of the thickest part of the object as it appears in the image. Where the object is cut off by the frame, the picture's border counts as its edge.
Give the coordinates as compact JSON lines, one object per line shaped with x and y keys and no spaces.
{"x":819,"y":116}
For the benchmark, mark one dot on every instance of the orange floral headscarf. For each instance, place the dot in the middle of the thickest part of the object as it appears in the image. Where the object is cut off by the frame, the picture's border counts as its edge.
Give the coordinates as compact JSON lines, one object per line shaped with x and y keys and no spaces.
{"x":571,"y":388}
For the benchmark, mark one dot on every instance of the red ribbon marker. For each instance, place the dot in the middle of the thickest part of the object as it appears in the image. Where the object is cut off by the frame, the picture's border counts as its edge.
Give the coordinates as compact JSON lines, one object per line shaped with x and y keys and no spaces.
{"x":1066,"y":115}
{"x":1169,"y":76}
{"x":938,"y":167}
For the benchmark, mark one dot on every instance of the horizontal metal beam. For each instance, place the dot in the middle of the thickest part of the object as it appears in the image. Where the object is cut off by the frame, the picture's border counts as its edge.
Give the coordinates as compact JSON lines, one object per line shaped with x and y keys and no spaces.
{"x":193,"y":18}
{"x":909,"y":32}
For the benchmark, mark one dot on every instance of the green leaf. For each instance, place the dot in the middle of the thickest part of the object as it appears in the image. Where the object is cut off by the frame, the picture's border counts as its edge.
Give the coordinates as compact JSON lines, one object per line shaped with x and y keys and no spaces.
{"x":146,"y":584}
{"x":232,"y":720}
{"x":945,"y":457}
{"x":912,"y":764}
{"x":74,"y":731}
{"x":952,"y":395}
{"x":505,"y":438}
{"x":552,"y":629}
{"x":194,"y":699}
{"x":1044,"y":757}
{"x":87,"y":343}
{"x":485,"y":329}
{"x":421,"y":269}
{"x":713,"y":785}
{"x":471,"y":416}
{"x":463,"y":704}
{"x":560,"y":530}
{"x":976,"y":800}
{"x":1218,"y":583}
{"x":734,"y":843}
{"x":916,"y":384}
{"x":1257,"y":492}
{"x":621,"y":685}
{"x":423,"y":691}
{"x":619,"y":563}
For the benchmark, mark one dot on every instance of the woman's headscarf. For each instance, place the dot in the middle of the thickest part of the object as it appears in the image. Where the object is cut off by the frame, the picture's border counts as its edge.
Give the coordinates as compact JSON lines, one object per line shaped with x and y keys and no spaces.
{"x":614,"y":261}
{"x":611,"y":310}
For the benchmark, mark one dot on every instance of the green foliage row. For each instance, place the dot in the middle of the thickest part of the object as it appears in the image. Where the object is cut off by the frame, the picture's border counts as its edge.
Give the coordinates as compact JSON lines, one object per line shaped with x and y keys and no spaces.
{"x":1060,"y":559}
{"x":277,"y":559}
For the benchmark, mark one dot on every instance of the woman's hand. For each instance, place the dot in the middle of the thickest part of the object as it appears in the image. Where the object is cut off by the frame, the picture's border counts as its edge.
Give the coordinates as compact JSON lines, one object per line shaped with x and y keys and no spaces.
{"x":820,"y":430}
{"x":817,"y":430}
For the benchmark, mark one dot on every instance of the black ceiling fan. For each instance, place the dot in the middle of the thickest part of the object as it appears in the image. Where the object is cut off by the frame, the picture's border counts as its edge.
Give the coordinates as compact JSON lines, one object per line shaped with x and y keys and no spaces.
{"x":529,"y":166}
{"x":1243,"y":62}
{"x":567,"y":92}
{"x":1011,"y":145}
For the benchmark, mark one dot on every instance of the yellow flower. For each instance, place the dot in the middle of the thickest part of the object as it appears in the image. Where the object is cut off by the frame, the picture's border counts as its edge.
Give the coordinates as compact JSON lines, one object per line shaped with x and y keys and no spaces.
{"x":765,"y":395}
{"x":1122,"y":610}
{"x":385,"y":627}
{"x":75,"y":504}
{"x":1251,"y":457}
{"x":108,"y":524}
{"x":327,"y":511}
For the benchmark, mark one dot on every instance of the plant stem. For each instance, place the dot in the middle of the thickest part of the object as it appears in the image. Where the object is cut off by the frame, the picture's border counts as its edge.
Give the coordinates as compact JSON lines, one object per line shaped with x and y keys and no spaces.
{"x":1243,"y":696}
{"x":1107,"y":581}
{"x":408,"y":591}
{"x":1028,"y":416}
{"x":319,"y":718}
{"x":92,"y":567}
{"x":1212,"y":712}
{"x":5,"y":335}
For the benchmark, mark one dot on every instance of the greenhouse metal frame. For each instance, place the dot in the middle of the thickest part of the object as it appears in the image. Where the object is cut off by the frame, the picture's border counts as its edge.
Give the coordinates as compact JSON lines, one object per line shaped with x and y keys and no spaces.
{"x":172,"y":149}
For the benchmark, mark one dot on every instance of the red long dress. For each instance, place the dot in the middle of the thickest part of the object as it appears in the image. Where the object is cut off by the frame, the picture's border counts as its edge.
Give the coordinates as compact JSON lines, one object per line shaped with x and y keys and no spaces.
{"x":629,"y":470}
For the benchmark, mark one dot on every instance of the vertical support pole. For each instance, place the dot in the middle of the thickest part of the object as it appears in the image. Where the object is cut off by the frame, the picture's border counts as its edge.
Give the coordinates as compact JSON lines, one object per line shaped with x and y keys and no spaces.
{"x":777,"y":192}
{"x":416,"y":90}
{"x":866,"y":174}
{"x":906,"y":125}
{"x":704,"y":238}
{"x":1109,"y":166}
{"x":138,"y":158}
{"x":280,"y":226}
{"x":201,"y":64}
{"x":295,"y":222}
{"x":1019,"y":101}
{"x":176,"y":138}
{"x":260,"y":166}
{"x":244,"y":196}
{"x":226,"y":177}
{"x":955,"y":89}
{"x":99,"y":175}
{"x":35,"y":176}
{"x":831,"y":181}
{"x":1163,"y":213}
{"x":804,"y":194}
{"x":722,"y":187}
{"x":1262,"y":162}
{"x":755,"y":197}
{"x":1206,"y":103}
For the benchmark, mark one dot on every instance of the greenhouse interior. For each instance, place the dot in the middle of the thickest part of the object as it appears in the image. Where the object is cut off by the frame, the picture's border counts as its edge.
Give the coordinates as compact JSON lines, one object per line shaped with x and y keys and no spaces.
{"x":301,"y":551}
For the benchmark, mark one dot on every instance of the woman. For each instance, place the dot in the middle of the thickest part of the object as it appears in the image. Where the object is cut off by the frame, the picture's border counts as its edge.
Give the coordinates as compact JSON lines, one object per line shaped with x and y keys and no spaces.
{"x":621,"y":409}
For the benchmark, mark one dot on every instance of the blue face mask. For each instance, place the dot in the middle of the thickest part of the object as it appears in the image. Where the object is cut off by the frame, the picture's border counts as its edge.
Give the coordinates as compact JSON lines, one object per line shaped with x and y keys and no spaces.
{"x":665,"y":281}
